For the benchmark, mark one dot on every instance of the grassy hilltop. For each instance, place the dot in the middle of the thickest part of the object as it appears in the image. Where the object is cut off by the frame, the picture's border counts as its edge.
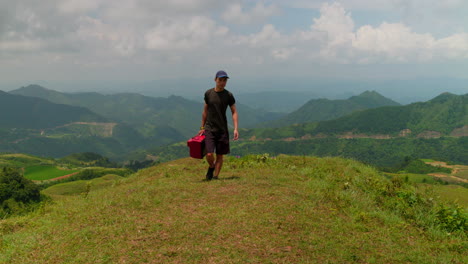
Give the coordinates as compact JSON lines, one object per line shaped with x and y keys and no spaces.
{"x":262,"y":210}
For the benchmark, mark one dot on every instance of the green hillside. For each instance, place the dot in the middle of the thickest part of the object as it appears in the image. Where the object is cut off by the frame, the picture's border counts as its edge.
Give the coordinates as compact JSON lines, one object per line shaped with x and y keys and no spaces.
{"x":440,"y":116}
{"x":262,"y":210}
{"x":324,"y":109}
{"x":23,"y":160}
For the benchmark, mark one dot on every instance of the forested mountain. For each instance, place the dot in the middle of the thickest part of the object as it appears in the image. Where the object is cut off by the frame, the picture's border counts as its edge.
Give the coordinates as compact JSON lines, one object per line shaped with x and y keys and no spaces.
{"x":18,"y":111}
{"x":447,"y":114}
{"x":325,"y":109}
{"x":36,"y":126}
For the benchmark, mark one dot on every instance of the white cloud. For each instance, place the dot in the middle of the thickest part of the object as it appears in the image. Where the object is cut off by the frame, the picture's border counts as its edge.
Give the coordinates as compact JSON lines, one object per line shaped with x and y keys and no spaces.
{"x":94,"y":34}
{"x":348,"y":4}
{"x":152,"y":34}
{"x":236,"y":14}
{"x":183,"y":35}
{"x":386,"y":43}
{"x":393,"y":43}
{"x":453,"y":47}
{"x":77,"y":6}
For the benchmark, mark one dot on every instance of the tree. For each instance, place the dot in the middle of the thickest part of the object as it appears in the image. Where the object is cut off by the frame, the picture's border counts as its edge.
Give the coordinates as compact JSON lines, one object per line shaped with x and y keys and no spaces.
{"x":16,"y":192}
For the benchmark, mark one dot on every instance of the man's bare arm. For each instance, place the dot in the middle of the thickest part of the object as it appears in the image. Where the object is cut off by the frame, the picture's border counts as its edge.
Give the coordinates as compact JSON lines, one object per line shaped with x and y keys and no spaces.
{"x":204,"y":114}
{"x":235,"y":120}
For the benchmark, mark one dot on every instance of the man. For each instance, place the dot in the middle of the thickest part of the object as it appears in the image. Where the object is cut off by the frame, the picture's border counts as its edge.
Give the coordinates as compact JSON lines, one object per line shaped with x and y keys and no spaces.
{"x":214,"y":124}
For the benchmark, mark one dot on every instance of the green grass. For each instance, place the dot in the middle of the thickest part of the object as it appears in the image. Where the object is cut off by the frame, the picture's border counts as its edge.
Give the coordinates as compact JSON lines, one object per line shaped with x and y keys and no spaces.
{"x":286,"y":210}
{"x":462,"y":171}
{"x":453,"y":193}
{"x":42,"y":173}
{"x":414,"y":178}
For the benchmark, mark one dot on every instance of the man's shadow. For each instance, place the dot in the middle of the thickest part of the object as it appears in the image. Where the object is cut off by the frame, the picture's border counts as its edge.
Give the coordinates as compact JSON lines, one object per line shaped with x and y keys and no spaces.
{"x":222,"y":179}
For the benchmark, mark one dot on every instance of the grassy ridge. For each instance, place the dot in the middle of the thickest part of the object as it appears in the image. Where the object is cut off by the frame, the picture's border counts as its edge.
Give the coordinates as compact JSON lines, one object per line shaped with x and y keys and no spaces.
{"x":23,"y":160}
{"x":262,"y":210}
{"x":82,"y":186}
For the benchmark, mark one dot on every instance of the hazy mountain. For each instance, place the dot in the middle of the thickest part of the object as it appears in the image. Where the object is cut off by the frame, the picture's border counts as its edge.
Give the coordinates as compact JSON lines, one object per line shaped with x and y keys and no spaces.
{"x":325,"y":109}
{"x":18,"y":111}
{"x":443,"y":115}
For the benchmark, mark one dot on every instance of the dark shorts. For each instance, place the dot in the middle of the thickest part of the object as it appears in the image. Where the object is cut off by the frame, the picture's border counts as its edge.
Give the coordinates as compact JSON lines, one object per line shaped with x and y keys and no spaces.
{"x":217,"y":141}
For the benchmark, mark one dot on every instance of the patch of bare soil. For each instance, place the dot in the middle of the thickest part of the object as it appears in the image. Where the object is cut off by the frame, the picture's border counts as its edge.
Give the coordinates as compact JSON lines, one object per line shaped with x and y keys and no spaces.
{"x":460,"y":132}
{"x":63,"y":177}
{"x":452,"y":176}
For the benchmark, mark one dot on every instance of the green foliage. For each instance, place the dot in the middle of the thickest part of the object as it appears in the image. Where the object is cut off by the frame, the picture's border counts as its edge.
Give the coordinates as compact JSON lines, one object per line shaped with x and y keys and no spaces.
{"x":88,"y":159}
{"x":17,"y":194}
{"x":453,"y":218}
{"x":413,"y":165}
{"x":136,"y":165}
{"x":92,"y":173}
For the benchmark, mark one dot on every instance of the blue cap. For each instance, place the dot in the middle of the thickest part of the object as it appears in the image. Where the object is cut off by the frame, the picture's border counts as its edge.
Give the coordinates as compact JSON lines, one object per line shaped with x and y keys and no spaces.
{"x":221,"y":74}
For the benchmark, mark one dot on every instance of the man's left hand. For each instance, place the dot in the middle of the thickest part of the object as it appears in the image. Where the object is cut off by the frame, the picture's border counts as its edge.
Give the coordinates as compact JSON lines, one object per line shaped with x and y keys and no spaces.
{"x":236,"y":134}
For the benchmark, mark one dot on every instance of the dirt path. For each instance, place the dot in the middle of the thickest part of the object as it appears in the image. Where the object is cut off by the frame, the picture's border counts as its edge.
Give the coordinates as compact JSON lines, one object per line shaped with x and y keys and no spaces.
{"x":63,"y":177}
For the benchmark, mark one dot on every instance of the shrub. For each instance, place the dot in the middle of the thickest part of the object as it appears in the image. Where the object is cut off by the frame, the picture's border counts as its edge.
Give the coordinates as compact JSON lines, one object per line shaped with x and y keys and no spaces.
{"x":452,"y":219}
{"x":17,"y":194}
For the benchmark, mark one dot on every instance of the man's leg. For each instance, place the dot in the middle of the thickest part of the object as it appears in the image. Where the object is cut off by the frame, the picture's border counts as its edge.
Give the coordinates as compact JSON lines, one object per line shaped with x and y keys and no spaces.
{"x":210,"y":144}
{"x":210,"y":159}
{"x":211,"y":164}
{"x":218,"y":165}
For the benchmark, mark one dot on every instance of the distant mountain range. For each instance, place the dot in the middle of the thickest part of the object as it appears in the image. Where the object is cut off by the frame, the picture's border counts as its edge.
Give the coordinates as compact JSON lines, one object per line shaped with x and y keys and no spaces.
{"x":325,"y":109}
{"x":151,"y":116}
{"x":40,"y":121}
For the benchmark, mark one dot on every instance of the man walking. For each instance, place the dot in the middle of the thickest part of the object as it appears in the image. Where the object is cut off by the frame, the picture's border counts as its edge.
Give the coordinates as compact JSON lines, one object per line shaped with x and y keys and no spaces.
{"x":214,"y":124}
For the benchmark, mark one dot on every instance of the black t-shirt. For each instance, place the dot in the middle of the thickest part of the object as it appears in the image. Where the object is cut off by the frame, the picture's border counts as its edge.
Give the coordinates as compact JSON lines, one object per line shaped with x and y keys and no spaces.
{"x":217,"y":102}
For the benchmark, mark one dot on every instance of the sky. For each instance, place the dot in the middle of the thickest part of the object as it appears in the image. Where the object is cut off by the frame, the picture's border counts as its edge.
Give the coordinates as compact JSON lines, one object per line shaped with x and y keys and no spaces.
{"x":142,"y":41}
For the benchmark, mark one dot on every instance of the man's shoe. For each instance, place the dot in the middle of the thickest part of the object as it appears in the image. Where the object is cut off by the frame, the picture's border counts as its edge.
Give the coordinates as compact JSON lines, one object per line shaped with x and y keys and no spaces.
{"x":215,"y":178}
{"x":209,"y":174}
